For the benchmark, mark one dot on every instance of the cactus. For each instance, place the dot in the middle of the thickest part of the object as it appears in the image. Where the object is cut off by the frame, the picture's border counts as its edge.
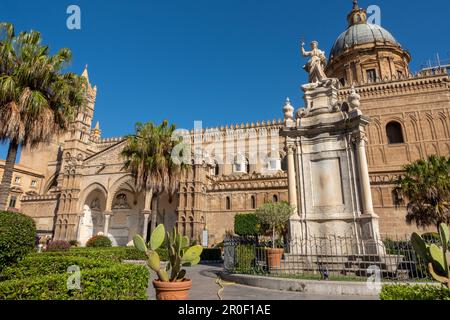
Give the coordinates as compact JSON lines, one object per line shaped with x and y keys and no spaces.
{"x":435,"y":257}
{"x":181,"y":254}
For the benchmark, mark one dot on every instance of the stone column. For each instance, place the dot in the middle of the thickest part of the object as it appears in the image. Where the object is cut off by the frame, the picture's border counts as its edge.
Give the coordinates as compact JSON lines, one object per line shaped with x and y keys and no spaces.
{"x":291,"y":179}
{"x":106,"y":226}
{"x":364,"y":175}
{"x":294,"y":222}
{"x":145,"y":228}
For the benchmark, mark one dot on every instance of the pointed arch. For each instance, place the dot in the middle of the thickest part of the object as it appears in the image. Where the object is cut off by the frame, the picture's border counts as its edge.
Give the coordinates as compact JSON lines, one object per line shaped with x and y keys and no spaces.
{"x":96,"y":186}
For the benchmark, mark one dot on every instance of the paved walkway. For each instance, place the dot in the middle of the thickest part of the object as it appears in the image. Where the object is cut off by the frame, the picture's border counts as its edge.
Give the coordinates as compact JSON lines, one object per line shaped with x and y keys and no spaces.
{"x":205,"y":288}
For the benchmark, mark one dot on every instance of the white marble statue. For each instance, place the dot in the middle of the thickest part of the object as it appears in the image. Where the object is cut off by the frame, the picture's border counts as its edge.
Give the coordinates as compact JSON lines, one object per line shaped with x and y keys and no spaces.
{"x":316,"y":65}
{"x":86,"y":227}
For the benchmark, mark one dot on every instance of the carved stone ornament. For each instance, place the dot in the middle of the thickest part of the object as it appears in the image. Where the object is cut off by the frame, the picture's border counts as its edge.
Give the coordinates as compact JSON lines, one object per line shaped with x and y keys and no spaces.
{"x":121,"y":202}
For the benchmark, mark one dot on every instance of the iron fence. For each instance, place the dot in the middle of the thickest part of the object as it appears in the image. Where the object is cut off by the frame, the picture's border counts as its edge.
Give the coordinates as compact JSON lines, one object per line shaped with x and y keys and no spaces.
{"x":331,"y":258}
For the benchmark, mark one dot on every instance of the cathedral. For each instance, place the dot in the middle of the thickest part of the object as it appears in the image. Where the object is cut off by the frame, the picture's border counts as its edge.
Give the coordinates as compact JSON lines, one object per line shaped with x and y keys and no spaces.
{"x":78,"y":179}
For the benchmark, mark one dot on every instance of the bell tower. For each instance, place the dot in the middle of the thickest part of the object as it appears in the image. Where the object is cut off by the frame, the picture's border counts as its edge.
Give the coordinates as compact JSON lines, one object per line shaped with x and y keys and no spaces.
{"x":76,"y":149}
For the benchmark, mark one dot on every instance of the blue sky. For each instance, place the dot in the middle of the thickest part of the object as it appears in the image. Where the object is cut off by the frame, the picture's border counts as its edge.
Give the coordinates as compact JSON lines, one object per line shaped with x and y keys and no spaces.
{"x":219,"y":61}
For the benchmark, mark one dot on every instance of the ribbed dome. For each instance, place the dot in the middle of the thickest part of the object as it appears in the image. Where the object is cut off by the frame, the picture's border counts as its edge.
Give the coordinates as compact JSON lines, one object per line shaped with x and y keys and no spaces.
{"x":361,"y":34}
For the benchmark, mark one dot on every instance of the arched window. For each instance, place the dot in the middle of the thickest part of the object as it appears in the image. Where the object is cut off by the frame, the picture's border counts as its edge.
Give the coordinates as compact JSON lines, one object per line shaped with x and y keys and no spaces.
{"x":58,"y":230}
{"x":394,"y":133}
{"x":191,"y":227}
{"x":13,"y":201}
{"x":274,"y":162}
{"x":253,"y":202}
{"x":185,"y":204}
{"x":228,"y":203}
{"x":64,"y":230}
{"x":241,"y":164}
{"x":397,"y":199}
{"x":183,"y":226}
{"x":275,"y":198}
{"x":215,"y":170}
{"x":284,"y":164}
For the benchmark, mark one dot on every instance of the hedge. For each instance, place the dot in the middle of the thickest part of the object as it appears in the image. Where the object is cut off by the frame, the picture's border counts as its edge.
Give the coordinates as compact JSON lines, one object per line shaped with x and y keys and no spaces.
{"x":211,"y":255}
{"x":43,"y":264}
{"x":17,"y":237}
{"x":247,"y":225}
{"x":118,"y":282}
{"x":414,"y":292}
{"x":116,"y":254}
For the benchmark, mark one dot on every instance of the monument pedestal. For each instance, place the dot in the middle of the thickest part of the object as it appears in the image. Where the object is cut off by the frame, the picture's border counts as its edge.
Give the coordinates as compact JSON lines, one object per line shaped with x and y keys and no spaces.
{"x":330,"y":172}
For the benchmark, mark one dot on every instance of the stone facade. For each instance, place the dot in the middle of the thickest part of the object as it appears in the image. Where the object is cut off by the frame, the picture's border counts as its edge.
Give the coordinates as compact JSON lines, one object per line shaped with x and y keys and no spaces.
{"x":79,"y":171}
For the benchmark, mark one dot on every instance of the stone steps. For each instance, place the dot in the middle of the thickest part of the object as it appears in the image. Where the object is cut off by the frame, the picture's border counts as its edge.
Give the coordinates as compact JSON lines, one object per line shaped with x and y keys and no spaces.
{"x":355,"y":264}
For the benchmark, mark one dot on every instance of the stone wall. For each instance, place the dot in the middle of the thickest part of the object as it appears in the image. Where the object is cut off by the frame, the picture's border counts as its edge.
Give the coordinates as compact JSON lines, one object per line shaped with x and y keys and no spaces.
{"x":43,"y":210}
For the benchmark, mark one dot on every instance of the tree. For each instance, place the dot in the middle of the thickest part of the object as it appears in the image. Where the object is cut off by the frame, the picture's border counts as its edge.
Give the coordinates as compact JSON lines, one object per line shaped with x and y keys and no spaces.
{"x":247,"y":224}
{"x":37,"y":101}
{"x":274,"y":218}
{"x":148,"y":156}
{"x":426,"y":186}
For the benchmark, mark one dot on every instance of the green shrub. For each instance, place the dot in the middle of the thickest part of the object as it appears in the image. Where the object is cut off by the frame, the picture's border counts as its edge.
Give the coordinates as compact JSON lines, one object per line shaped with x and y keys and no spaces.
{"x":42,"y":264}
{"x":74,"y":243}
{"x":58,"y":245}
{"x":118,"y":282}
{"x":99,"y":242}
{"x":245,"y":258}
{"x":211,"y":255}
{"x":115,"y":254}
{"x":247,"y":225}
{"x":416,"y":292}
{"x":17,"y":237}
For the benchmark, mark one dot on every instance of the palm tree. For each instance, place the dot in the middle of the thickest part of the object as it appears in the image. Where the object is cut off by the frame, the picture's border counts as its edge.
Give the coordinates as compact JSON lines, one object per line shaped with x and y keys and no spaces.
{"x":37,"y":101}
{"x":148,"y":156}
{"x":426,"y":186}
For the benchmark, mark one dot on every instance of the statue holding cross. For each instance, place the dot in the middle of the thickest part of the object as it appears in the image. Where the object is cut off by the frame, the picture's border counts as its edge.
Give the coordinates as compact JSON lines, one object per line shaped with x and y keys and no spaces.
{"x":317,"y":63}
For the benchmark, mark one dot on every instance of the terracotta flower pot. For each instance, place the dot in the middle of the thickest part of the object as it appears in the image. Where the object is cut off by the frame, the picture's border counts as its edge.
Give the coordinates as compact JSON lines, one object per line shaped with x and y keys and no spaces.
{"x":172,"y":290}
{"x":274,"y":257}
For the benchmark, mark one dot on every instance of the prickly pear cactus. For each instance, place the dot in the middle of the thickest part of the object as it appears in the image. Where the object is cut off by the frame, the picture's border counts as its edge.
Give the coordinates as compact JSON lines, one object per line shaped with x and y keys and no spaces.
{"x":434,"y":256}
{"x":180,"y":253}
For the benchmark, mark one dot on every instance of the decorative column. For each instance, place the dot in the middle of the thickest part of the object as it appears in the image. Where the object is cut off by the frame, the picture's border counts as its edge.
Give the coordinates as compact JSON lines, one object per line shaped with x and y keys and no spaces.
{"x":364,"y":175}
{"x":370,"y":225}
{"x":294,"y":221}
{"x":106,"y":227}
{"x":148,"y":195}
{"x":291,"y":180}
{"x":295,"y":228}
{"x":145,"y":228}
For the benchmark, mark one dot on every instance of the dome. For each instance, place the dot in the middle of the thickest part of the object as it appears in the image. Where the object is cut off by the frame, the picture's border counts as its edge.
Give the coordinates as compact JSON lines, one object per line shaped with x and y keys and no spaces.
{"x":361,"y":34}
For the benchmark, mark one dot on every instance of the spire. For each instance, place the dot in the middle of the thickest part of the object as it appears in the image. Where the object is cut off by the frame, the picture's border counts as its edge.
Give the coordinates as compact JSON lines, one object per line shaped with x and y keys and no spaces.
{"x":355,"y":5}
{"x":288,"y":111}
{"x":96,"y":132}
{"x":85,"y":73}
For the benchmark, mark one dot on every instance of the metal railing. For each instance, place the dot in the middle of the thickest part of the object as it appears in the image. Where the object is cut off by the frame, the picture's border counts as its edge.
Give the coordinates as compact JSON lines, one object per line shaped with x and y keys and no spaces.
{"x":331,"y":258}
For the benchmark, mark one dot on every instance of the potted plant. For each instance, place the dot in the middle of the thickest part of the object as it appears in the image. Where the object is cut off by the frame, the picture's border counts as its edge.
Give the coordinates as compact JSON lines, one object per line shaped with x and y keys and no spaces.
{"x":172,"y":283}
{"x":274,"y":218}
